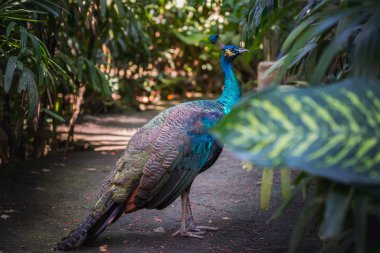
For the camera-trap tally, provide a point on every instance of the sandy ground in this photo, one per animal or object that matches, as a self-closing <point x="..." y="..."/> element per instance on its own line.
<point x="42" y="200"/>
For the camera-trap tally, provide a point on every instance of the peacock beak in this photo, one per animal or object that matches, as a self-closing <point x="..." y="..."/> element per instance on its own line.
<point x="242" y="50"/>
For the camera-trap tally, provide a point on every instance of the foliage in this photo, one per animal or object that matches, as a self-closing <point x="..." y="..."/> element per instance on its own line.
<point x="58" y="55"/>
<point x="345" y="35"/>
<point x="269" y="22"/>
<point x="329" y="132"/>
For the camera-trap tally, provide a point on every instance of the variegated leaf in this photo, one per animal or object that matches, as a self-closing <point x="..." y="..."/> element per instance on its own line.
<point x="331" y="131"/>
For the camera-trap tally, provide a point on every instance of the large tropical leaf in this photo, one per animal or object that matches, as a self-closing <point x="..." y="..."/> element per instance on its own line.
<point x="331" y="131"/>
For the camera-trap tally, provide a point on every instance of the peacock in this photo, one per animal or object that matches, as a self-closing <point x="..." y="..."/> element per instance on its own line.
<point x="161" y="161"/>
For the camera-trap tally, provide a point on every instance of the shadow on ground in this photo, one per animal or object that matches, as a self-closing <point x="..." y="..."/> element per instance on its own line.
<point x="42" y="200"/>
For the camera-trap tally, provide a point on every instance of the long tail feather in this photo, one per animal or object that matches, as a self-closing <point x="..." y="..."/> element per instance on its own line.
<point x="91" y="228"/>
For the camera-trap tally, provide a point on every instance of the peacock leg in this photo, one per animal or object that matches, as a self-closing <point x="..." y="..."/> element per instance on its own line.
<point x="190" y="219"/>
<point x="188" y="229"/>
<point x="184" y="229"/>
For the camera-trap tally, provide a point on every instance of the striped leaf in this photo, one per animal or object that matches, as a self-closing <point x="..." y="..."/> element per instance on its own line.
<point x="331" y="131"/>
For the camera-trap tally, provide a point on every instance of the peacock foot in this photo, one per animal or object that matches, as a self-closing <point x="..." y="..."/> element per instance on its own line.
<point x="194" y="231"/>
<point x="189" y="233"/>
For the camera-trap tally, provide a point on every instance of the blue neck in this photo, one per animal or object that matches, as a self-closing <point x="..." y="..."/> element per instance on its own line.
<point x="232" y="91"/>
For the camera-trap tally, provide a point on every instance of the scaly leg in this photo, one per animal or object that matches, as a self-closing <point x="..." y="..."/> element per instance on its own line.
<point x="188" y="229"/>
<point x="190" y="222"/>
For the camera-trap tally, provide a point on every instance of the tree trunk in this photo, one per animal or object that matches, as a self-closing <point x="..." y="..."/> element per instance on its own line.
<point x="74" y="116"/>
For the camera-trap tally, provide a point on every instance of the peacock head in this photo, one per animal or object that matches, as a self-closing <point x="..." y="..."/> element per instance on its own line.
<point x="229" y="52"/>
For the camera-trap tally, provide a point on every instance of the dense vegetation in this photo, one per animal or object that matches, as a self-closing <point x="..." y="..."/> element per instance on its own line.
<point x="62" y="58"/>
<point x="329" y="128"/>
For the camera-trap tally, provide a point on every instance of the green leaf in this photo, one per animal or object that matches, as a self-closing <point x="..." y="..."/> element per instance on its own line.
<point x="104" y="83"/>
<point x="317" y="28"/>
<point x="9" y="72"/>
<point x="366" y="49"/>
<point x="67" y="60"/>
<point x="266" y="188"/>
<point x="41" y="73"/>
<point x="334" y="47"/>
<point x="80" y="4"/>
<point x="23" y="37"/>
<point x="297" y="32"/>
<point x="28" y="78"/>
<point x="50" y="7"/>
<point x="192" y="39"/>
<point x="37" y="47"/>
<point x="24" y="80"/>
<point x="54" y="115"/>
<point x="120" y="8"/>
<point x="307" y="213"/>
<point x="330" y="131"/>
<point x="337" y="203"/>
<point x="80" y="66"/>
<point x="103" y="8"/>
<point x="311" y="31"/>
<point x="93" y="76"/>
<point x="10" y="28"/>
<point x="301" y="182"/>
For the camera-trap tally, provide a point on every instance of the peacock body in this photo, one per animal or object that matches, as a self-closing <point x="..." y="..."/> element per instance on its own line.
<point x="161" y="161"/>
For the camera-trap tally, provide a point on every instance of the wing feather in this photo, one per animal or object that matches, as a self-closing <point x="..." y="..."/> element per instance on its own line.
<point x="183" y="147"/>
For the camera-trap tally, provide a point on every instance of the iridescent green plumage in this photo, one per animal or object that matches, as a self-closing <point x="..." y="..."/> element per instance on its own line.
<point x="161" y="160"/>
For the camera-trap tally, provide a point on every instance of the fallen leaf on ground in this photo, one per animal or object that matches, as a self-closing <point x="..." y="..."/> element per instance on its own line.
<point x="91" y="169"/>
<point x="159" y="230"/>
<point x="5" y="216"/>
<point x="10" y="211"/>
<point x="225" y="218"/>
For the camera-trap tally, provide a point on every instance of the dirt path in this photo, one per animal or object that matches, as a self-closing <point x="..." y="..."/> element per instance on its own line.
<point x="42" y="200"/>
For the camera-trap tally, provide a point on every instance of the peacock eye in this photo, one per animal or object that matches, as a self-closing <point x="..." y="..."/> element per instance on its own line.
<point x="229" y="52"/>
